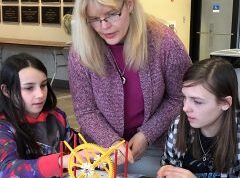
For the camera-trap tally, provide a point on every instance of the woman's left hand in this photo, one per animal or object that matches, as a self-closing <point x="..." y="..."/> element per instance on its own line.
<point x="169" y="171"/>
<point x="138" y="144"/>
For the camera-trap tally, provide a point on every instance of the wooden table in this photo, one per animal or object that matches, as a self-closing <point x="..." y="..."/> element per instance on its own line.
<point x="54" y="46"/>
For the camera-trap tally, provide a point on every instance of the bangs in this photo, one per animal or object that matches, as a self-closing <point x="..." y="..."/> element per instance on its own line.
<point x="111" y="3"/>
<point x="205" y="84"/>
<point x="191" y="83"/>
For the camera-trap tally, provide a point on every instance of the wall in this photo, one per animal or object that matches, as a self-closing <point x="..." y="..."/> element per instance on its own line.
<point x="38" y="30"/>
<point x="172" y="11"/>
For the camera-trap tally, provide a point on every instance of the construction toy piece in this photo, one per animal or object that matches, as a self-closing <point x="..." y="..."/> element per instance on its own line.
<point x="95" y="156"/>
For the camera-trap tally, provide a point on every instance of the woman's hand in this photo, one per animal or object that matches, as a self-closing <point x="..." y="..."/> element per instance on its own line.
<point x="122" y="152"/>
<point x="169" y="171"/>
<point x="138" y="144"/>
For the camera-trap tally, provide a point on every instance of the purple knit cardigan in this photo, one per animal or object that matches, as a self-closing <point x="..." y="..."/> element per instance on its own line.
<point x="98" y="101"/>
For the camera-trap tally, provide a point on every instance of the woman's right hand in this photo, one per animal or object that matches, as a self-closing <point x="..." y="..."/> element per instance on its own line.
<point x="122" y="152"/>
<point x="169" y="171"/>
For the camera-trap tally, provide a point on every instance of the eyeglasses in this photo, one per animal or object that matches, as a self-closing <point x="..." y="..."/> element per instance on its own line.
<point x="111" y="18"/>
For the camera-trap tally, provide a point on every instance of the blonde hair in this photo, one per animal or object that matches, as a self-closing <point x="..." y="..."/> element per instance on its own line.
<point x="90" y="46"/>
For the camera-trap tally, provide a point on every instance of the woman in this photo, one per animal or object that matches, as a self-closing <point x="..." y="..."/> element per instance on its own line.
<point x="125" y="72"/>
<point x="204" y="140"/>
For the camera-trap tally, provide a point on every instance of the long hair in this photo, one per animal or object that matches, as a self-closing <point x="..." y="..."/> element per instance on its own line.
<point x="12" y="106"/>
<point x="90" y="47"/>
<point x="218" y="77"/>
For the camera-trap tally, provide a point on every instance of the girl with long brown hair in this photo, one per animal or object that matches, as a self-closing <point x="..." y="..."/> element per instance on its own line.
<point x="204" y="140"/>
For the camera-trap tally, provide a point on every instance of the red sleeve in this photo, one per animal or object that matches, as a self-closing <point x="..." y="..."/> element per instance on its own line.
<point x="49" y="165"/>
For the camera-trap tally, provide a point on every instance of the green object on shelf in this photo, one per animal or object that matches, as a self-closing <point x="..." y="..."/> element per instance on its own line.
<point x="67" y="23"/>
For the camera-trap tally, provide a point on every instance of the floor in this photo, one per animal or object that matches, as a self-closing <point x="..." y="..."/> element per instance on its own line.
<point x="64" y="100"/>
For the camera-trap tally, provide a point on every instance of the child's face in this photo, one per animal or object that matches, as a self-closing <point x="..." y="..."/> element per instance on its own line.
<point x="33" y="90"/>
<point x="202" y="109"/>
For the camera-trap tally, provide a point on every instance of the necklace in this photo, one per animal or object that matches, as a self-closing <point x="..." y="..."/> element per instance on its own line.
<point x="204" y="157"/>
<point x="121" y="73"/>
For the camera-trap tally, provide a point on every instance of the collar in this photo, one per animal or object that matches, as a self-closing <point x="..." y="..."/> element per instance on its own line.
<point x="41" y="118"/>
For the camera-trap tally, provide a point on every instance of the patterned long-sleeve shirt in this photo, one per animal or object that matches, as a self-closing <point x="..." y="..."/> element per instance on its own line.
<point x="173" y="157"/>
<point x="49" y="129"/>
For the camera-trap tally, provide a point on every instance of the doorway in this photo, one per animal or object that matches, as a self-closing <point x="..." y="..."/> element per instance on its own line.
<point x="214" y="26"/>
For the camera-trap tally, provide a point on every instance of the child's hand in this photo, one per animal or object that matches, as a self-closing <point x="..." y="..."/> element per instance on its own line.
<point x="82" y="155"/>
<point x="169" y="171"/>
<point x="64" y="161"/>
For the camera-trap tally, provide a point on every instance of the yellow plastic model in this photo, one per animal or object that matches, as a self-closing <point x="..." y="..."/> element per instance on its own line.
<point x="87" y="166"/>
